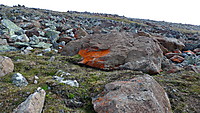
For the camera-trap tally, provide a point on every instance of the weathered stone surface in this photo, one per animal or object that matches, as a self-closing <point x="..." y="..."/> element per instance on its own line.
<point x="42" y="45"/>
<point x="3" y="42"/>
<point x="141" y="94"/>
<point x="118" y="50"/>
<point x="52" y="34"/>
<point x="174" y="43"/>
<point x="19" y="80"/>
<point x="6" y="65"/>
<point x="13" y="28"/>
<point x="79" y="33"/>
<point x="33" y="104"/>
<point x="5" y="48"/>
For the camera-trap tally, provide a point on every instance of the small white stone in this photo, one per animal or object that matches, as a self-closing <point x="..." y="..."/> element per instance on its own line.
<point x="35" y="82"/>
<point x="47" y="50"/>
<point x="20" y="77"/>
<point x="40" y="54"/>
<point x="36" y="77"/>
<point x="29" y="48"/>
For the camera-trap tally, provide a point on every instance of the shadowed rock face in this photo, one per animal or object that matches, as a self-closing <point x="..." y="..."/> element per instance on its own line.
<point x="118" y="50"/>
<point x="139" y="95"/>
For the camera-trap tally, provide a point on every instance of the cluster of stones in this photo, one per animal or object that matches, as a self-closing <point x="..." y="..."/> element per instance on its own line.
<point x="103" y="43"/>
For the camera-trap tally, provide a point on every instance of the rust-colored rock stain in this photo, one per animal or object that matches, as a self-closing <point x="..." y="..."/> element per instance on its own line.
<point x="91" y="58"/>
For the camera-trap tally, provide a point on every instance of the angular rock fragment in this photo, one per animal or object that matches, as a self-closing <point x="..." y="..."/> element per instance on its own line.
<point x="177" y="59"/>
<point x="13" y="28"/>
<point x="141" y="94"/>
<point x="171" y="44"/>
<point x="6" y="48"/>
<point x="19" y="80"/>
<point x="59" y="76"/>
<point x="3" y="42"/>
<point x="6" y="66"/>
<point x="33" y="104"/>
<point x="42" y="45"/>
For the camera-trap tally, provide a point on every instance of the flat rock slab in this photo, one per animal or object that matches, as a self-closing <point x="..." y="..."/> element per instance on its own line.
<point x="118" y="50"/>
<point x="141" y="94"/>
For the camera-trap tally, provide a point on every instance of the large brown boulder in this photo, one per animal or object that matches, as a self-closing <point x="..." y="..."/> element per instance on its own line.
<point x="141" y="94"/>
<point x="6" y="65"/>
<point x="118" y="50"/>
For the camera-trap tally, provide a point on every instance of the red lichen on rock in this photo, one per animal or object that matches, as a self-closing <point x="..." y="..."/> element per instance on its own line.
<point x="177" y="59"/>
<point x="99" y="100"/>
<point x="177" y="51"/>
<point x="91" y="58"/>
<point x="189" y="52"/>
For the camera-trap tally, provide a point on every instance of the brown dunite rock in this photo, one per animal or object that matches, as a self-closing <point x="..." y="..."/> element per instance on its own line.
<point x="171" y="44"/>
<point x="141" y="94"/>
<point x="80" y="33"/>
<point x="6" y="65"/>
<point x="118" y="50"/>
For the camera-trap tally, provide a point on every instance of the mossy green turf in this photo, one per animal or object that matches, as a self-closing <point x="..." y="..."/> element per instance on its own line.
<point x="91" y="81"/>
<point x="183" y="88"/>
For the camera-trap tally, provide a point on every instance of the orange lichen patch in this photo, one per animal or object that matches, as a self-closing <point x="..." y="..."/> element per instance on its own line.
<point x="177" y="59"/>
<point x="177" y="51"/>
<point x="189" y="52"/>
<point x="91" y="58"/>
<point x="104" y="103"/>
<point x="99" y="100"/>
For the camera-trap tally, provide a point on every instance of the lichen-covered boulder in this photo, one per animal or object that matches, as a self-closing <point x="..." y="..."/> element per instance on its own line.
<point x="6" y="65"/>
<point x="118" y="50"/>
<point x="141" y="94"/>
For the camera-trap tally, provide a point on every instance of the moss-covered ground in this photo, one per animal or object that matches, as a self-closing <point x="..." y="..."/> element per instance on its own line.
<point x="183" y="88"/>
<point x="60" y="98"/>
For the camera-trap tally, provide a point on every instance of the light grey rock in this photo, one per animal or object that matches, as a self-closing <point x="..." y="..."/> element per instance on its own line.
<point x="52" y="59"/>
<point x="42" y="45"/>
<point x="21" y="44"/>
<point x="141" y="94"/>
<point x="52" y="34"/>
<point x="34" y="40"/>
<point x="5" y="48"/>
<point x="6" y="66"/>
<point x="23" y="38"/>
<point x="72" y="83"/>
<point x="62" y="73"/>
<point x="13" y="28"/>
<point x="3" y="42"/>
<point x="59" y="76"/>
<point x="19" y="80"/>
<point x="33" y="104"/>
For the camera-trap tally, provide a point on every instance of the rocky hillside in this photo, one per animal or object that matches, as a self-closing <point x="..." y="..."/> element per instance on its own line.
<point x="58" y="62"/>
